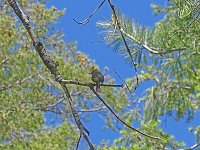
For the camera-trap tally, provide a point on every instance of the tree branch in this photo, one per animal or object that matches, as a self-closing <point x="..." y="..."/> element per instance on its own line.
<point x="124" y="40"/>
<point x="77" y="144"/>
<point x="51" y="65"/>
<point x="132" y="128"/>
<point x="131" y="92"/>
<point x="91" y="15"/>
<point x="75" y="115"/>
<point x="88" y="84"/>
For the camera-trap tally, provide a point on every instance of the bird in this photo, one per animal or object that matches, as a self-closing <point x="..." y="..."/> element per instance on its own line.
<point x="98" y="78"/>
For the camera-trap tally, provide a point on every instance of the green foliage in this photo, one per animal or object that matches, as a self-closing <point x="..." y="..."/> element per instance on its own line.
<point x="23" y="81"/>
<point x="56" y="138"/>
<point x="168" y="56"/>
<point x="28" y="90"/>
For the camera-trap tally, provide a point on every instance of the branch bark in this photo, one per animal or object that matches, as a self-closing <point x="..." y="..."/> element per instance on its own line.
<point x="88" y="84"/>
<point x="110" y="109"/>
<point x="51" y="65"/>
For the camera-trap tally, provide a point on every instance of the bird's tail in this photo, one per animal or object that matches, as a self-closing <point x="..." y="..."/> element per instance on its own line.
<point x="98" y="87"/>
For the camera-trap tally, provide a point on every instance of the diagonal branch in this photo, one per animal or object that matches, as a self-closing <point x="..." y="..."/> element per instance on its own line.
<point x="131" y="92"/>
<point x="132" y="128"/>
<point x="123" y="38"/>
<point x="75" y="115"/>
<point x="50" y="64"/>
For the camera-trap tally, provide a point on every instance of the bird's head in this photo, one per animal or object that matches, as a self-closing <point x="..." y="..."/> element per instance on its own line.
<point x="94" y="71"/>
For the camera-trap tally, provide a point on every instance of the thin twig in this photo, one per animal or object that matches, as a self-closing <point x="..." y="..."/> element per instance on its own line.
<point x="92" y="109"/>
<point x="132" y="128"/>
<point x="84" y="22"/>
<point x="77" y="143"/>
<point x="124" y="82"/>
<point x="124" y="40"/>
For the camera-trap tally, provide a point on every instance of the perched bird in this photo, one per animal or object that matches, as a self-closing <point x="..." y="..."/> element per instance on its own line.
<point x="98" y="78"/>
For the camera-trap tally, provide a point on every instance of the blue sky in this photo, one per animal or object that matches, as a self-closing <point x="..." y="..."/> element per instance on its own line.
<point x="89" y="41"/>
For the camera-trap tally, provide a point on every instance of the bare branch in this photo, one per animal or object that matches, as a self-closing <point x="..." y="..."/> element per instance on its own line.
<point x="132" y="128"/>
<point x="84" y="22"/>
<point x="123" y="38"/>
<point x="75" y="115"/>
<point x="77" y="143"/>
<point x="88" y="84"/>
